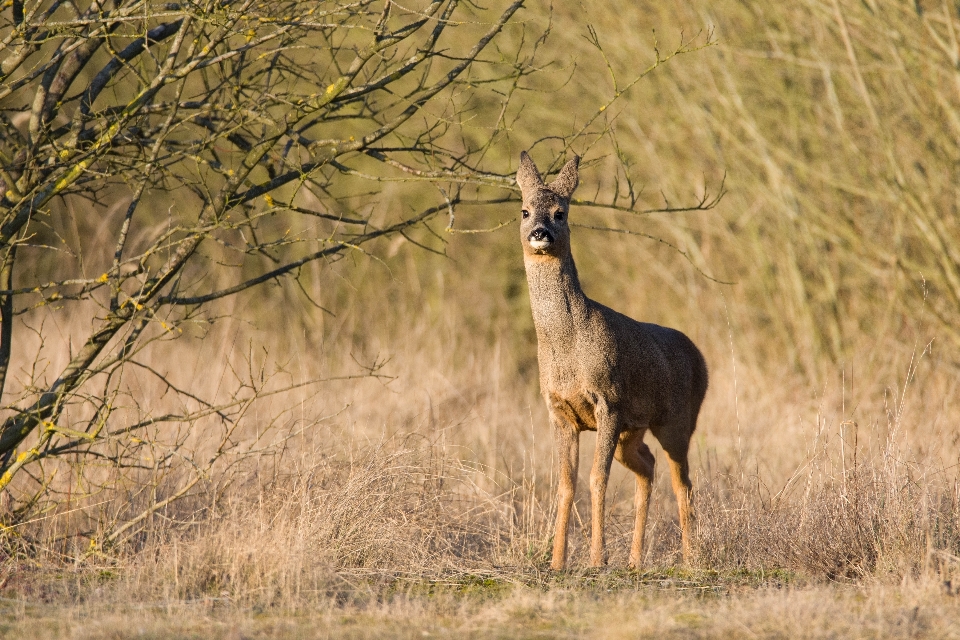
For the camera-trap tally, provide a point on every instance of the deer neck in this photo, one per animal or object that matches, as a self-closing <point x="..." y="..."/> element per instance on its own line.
<point x="556" y="298"/>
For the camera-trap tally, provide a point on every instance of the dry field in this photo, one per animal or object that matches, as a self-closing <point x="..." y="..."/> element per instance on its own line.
<point x="410" y="492"/>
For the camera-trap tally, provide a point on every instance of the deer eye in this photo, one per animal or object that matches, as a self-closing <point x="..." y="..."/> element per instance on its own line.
<point x="525" y="213"/>
<point x="558" y="215"/>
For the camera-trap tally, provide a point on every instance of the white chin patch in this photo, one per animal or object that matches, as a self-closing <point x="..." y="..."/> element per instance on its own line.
<point x="540" y="245"/>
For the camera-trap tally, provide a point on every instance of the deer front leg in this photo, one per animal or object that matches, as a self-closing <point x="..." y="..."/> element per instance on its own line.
<point x="568" y="449"/>
<point x="608" y="434"/>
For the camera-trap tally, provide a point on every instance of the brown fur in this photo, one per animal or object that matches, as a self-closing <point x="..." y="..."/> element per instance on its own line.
<point x="603" y="371"/>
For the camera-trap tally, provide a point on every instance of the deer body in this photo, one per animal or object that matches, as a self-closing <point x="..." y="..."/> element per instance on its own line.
<point x="602" y="371"/>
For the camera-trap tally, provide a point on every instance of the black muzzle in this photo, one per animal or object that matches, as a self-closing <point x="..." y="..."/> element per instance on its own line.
<point x="540" y="234"/>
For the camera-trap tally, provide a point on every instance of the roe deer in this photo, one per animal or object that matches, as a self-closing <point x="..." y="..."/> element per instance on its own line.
<point x="603" y="371"/>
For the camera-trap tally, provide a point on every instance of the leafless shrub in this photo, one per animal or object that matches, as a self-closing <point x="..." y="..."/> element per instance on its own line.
<point x="158" y="159"/>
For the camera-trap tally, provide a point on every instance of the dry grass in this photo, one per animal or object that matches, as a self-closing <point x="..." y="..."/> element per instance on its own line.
<point x="426" y="505"/>
<point x="826" y="460"/>
<point x="915" y="610"/>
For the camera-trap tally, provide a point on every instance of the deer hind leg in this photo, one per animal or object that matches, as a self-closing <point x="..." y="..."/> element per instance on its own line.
<point x="636" y="456"/>
<point x="683" y="488"/>
<point x="568" y="450"/>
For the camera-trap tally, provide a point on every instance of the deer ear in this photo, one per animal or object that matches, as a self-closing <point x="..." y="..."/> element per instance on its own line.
<point x="568" y="179"/>
<point x="527" y="175"/>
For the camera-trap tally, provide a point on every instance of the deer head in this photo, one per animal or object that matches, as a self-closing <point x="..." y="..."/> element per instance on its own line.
<point x="544" y="230"/>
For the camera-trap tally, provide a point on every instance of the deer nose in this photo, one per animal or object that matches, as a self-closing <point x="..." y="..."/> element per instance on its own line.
<point x="540" y="234"/>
